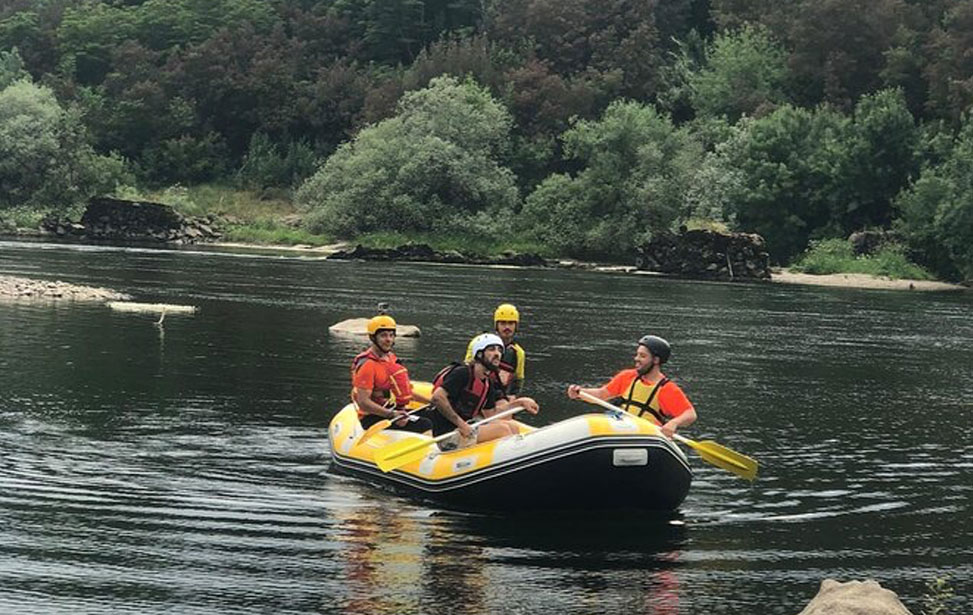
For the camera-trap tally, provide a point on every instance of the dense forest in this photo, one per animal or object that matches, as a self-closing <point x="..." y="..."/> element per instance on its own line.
<point x="584" y="126"/>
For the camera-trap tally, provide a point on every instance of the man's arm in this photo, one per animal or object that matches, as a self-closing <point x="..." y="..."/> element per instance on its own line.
<point x="688" y="417"/>
<point x="366" y="403"/>
<point x="574" y="391"/>
<point x="441" y="401"/>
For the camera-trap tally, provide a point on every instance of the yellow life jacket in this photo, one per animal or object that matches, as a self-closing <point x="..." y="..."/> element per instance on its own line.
<point x="642" y="401"/>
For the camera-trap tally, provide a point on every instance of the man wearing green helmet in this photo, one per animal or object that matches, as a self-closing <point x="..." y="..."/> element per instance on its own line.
<point x="645" y="391"/>
<point x="506" y="322"/>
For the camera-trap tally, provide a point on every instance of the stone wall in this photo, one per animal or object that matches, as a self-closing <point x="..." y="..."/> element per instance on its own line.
<point x="707" y="254"/>
<point x="121" y="220"/>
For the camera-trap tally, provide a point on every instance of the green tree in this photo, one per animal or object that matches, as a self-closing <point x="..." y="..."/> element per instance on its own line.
<point x="635" y="173"/>
<point x="936" y="212"/>
<point x="745" y="72"/>
<point x="790" y="166"/>
<point x="432" y="166"/>
<point x="45" y="159"/>
<point x="881" y="147"/>
<point x="11" y="68"/>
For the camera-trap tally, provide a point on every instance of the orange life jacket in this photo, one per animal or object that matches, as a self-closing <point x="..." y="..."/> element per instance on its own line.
<point x="399" y="387"/>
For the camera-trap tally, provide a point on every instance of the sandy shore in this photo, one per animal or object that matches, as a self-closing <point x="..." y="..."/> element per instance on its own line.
<point x="860" y="280"/>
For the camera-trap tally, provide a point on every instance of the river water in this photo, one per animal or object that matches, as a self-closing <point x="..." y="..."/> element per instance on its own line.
<point x="183" y="469"/>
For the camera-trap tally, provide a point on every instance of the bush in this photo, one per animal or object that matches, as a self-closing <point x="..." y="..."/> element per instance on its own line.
<point x="438" y="160"/>
<point x="838" y="256"/>
<point x="46" y="160"/>
<point x="637" y="169"/>
<point x="266" y="166"/>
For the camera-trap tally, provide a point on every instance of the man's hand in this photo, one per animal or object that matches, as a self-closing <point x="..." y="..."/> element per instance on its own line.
<point x="529" y="404"/>
<point x="573" y="390"/>
<point x="464" y="429"/>
<point x="668" y="429"/>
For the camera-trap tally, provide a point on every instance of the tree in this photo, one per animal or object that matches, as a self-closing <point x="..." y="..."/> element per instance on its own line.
<point x="936" y="212"/>
<point x="634" y="177"/>
<point x="434" y="165"/>
<point x="45" y="159"/>
<point x="881" y="160"/>
<point x="745" y="72"/>
<point x="11" y="68"/>
<point x="790" y="166"/>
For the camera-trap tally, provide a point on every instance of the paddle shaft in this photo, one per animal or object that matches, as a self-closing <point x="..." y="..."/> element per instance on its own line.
<point x="400" y="453"/>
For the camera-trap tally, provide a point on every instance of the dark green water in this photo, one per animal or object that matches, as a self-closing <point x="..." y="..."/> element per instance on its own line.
<point x="184" y="470"/>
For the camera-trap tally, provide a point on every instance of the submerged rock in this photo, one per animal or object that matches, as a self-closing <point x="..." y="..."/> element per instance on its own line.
<point x="854" y="598"/>
<point x="359" y="326"/>
<point x="423" y="253"/>
<point x="12" y="287"/>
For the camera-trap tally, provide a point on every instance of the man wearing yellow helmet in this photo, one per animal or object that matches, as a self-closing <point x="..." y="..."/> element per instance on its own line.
<point x="506" y="322"/>
<point x="380" y="383"/>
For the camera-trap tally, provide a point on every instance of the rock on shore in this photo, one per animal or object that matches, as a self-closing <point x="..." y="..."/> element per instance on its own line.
<point x="117" y="219"/>
<point x="707" y="254"/>
<point x="12" y="287"/>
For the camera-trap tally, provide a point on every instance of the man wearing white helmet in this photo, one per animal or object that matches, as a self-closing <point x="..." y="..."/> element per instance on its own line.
<point x="464" y="392"/>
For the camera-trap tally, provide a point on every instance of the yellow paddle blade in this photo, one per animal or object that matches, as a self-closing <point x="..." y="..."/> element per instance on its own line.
<point x="723" y="457"/>
<point x="374" y="429"/>
<point x="399" y="453"/>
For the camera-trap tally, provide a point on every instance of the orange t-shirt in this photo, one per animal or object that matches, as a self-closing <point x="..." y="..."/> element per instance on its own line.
<point x="374" y="376"/>
<point x="672" y="401"/>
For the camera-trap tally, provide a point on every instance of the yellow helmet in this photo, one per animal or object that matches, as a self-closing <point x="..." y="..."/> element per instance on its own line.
<point x="506" y="311"/>
<point x="380" y="323"/>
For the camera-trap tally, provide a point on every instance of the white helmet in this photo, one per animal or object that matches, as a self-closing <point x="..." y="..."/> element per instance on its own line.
<point x="484" y="341"/>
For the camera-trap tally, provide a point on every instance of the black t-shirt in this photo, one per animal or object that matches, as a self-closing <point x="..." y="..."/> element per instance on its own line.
<point x="465" y="392"/>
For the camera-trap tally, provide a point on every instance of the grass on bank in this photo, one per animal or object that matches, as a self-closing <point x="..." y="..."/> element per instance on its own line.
<point x="268" y="219"/>
<point x="838" y="256"/>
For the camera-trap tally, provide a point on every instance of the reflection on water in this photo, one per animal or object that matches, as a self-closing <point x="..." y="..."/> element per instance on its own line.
<point x="182" y="469"/>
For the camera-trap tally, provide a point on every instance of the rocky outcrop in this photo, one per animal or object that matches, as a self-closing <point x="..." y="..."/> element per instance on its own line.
<point x="420" y="252"/>
<point x="854" y="598"/>
<point x="707" y="254"/>
<point x="108" y="219"/>
<point x="28" y="289"/>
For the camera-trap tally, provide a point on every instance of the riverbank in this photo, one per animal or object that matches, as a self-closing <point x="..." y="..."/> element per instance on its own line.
<point x="860" y="280"/>
<point x="19" y="288"/>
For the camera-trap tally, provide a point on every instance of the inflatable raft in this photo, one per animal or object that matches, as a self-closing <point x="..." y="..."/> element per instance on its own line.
<point x="589" y="462"/>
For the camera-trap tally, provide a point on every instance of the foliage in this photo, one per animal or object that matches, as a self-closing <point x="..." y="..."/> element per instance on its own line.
<point x="936" y="212"/>
<point x="439" y="158"/>
<point x="45" y="159"/>
<point x="837" y="256"/>
<point x="636" y="167"/>
<point x="788" y="166"/>
<point x="11" y="68"/>
<point x="939" y="592"/>
<point x="745" y="73"/>
<point x="267" y="165"/>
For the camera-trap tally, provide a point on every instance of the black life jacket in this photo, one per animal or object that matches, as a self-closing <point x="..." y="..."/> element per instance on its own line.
<point x="472" y="401"/>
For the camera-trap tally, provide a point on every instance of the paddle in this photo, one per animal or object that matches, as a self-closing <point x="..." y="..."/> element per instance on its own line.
<point x="711" y="452"/>
<point x="385" y="423"/>
<point x="399" y="453"/>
